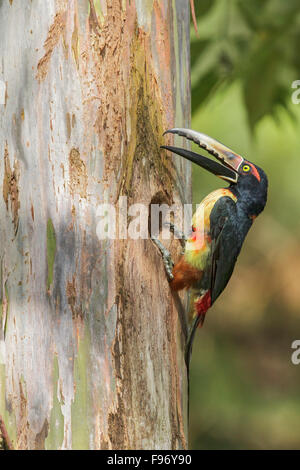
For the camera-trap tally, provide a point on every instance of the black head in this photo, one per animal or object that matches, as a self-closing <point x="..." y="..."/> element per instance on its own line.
<point x="251" y="188"/>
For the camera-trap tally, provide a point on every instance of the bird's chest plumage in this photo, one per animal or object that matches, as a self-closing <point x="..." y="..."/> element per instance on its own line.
<point x="198" y="246"/>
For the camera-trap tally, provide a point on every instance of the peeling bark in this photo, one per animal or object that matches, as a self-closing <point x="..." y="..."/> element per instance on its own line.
<point x="10" y="187"/>
<point x="91" y="338"/>
<point x="56" y="30"/>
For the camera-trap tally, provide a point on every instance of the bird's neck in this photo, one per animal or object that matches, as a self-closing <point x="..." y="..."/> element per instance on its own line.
<point x="245" y="218"/>
<point x="244" y="202"/>
<point x="243" y="206"/>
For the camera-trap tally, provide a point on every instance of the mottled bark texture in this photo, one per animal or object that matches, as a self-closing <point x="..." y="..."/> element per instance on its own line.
<point x="91" y="345"/>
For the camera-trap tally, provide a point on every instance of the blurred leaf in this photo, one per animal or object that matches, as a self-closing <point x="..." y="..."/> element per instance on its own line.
<point x="254" y="42"/>
<point x="202" y="7"/>
<point x="209" y="82"/>
<point x="197" y="49"/>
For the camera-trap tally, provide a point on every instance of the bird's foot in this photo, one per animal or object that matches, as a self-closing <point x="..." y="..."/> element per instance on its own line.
<point x="166" y="256"/>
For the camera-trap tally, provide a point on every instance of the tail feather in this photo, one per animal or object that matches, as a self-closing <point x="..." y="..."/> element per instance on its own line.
<point x="202" y="304"/>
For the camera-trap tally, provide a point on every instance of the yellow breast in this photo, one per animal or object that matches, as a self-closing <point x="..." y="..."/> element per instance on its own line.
<point x="197" y="248"/>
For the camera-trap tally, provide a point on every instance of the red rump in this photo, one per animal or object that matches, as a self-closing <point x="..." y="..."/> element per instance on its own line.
<point x="203" y="304"/>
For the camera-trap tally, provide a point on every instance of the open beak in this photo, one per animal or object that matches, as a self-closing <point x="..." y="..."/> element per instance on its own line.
<point x="231" y="162"/>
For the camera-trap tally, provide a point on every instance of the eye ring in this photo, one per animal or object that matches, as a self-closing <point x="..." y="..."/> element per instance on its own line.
<point x="246" y="168"/>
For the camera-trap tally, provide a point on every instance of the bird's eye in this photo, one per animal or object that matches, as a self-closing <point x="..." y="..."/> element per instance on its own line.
<point x="246" y="168"/>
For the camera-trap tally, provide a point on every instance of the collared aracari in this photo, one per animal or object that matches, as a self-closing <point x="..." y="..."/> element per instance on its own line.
<point x="219" y="225"/>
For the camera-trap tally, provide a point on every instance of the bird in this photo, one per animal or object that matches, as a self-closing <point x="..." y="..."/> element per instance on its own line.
<point x="219" y="225"/>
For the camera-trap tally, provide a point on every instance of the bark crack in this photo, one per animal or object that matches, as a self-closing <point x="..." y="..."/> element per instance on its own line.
<point x="11" y="188"/>
<point x="56" y="30"/>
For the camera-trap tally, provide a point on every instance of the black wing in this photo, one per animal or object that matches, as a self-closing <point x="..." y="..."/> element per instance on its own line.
<point x="225" y="245"/>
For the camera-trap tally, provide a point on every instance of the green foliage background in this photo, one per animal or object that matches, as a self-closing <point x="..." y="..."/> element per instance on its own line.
<point x="244" y="387"/>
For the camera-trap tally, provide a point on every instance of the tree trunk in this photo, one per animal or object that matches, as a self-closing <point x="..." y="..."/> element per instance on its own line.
<point x="92" y="341"/>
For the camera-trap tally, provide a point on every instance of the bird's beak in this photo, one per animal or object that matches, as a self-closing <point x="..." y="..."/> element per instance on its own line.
<point x="231" y="161"/>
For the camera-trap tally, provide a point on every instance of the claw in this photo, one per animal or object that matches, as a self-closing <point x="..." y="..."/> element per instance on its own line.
<point x="166" y="256"/>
